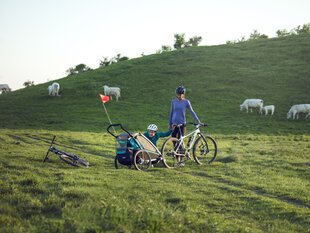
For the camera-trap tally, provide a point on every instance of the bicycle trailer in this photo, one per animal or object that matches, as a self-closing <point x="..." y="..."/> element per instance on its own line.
<point x="133" y="149"/>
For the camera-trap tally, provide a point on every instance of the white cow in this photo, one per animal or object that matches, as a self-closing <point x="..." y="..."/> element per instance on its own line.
<point x="4" y="88"/>
<point x="110" y="91"/>
<point x="252" y="103"/>
<point x="268" y="108"/>
<point x="298" y="108"/>
<point x="54" y="89"/>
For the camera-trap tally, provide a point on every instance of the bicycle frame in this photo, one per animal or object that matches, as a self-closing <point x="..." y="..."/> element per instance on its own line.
<point x="57" y="152"/>
<point x="193" y="136"/>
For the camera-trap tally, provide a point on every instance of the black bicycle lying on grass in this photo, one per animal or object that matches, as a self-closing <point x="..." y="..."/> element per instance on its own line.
<point x="68" y="158"/>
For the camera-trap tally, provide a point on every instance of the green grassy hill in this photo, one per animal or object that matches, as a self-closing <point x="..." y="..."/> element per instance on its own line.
<point x="218" y="79"/>
<point x="259" y="181"/>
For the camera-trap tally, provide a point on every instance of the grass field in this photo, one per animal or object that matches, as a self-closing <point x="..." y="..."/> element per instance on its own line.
<point x="259" y="181"/>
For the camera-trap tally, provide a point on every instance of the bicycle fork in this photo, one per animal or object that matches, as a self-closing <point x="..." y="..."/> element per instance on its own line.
<point x="48" y="150"/>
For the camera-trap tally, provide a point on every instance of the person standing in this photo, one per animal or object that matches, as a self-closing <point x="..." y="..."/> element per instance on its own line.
<point x="178" y="112"/>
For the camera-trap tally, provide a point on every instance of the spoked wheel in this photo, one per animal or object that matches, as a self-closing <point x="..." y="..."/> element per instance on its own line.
<point x="74" y="160"/>
<point x="169" y="153"/>
<point x="205" y="149"/>
<point x="142" y="160"/>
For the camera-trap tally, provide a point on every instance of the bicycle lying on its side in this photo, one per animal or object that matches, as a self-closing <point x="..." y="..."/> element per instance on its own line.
<point x="68" y="158"/>
<point x="174" y="151"/>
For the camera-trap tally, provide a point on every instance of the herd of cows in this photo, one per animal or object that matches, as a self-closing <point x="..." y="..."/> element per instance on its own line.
<point x="248" y="104"/>
<point x="293" y="113"/>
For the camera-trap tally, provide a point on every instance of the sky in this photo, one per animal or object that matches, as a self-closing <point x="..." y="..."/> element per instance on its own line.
<point x="41" y="39"/>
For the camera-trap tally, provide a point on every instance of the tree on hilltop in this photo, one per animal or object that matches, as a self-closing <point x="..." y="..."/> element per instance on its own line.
<point x="80" y="68"/>
<point x="28" y="83"/>
<point x="179" y="40"/>
<point x="256" y="35"/>
<point x="118" y="58"/>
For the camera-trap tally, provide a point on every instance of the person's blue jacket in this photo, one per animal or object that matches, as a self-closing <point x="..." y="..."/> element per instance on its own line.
<point x="178" y="110"/>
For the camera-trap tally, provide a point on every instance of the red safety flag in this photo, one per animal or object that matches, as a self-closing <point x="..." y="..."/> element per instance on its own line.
<point x="104" y="98"/>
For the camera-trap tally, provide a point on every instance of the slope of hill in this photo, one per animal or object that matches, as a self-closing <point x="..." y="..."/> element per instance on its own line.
<point x="217" y="78"/>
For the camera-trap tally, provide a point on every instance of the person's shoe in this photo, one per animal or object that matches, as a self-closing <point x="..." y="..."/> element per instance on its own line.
<point x="181" y="164"/>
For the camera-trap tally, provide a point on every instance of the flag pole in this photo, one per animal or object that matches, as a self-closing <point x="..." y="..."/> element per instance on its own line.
<point x="108" y="117"/>
<point x="105" y="99"/>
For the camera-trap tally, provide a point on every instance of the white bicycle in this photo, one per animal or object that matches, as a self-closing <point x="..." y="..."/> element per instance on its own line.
<point x="174" y="151"/>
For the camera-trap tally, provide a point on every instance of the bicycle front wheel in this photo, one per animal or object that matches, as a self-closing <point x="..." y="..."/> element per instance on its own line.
<point x="205" y="149"/>
<point x="168" y="153"/>
<point x="142" y="160"/>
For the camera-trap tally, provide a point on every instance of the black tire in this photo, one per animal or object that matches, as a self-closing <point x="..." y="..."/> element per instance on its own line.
<point x="118" y="165"/>
<point x="73" y="160"/>
<point x="142" y="160"/>
<point x="168" y="153"/>
<point x="204" y="149"/>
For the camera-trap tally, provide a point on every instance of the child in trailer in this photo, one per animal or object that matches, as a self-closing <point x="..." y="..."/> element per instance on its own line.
<point x="153" y="135"/>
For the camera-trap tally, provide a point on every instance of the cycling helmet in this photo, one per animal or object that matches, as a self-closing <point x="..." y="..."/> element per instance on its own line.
<point x="180" y="90"/>
<point x="152" y="127"/>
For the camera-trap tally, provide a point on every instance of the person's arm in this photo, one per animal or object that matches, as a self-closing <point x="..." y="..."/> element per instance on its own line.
<point x="164" y="134"/>
<point x="191" y="110"/>
<point x="170" y="115"/>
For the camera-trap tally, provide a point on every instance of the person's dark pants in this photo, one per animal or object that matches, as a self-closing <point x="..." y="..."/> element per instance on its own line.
<point x="176" y="134"/>
<point x="176" y="131"/>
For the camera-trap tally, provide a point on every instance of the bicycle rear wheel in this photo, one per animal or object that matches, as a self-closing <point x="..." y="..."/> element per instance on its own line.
<point x="73" y="160"/>
<point x="142" y="160"/>
<point x="168" y="153"/>
<point x="205" y="149"/>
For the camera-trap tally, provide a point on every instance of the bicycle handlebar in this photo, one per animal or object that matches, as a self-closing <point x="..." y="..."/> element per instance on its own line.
<point x="201" y="124"/>
<point x="195" y="124"/>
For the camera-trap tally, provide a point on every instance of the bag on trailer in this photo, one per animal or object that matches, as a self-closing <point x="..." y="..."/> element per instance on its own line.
<point x="124" y="149"/>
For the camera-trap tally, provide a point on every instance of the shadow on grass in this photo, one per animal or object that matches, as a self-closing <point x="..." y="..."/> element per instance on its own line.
<point x="228" y="159"/>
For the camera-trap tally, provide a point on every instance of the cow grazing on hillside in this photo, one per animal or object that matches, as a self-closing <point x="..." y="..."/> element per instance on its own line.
<point x="268" y="108"/>
<point x="296" y="109"/>
<point x="110" y="91"/>
<point x="53" y="89"/>
<point x="4" y="88"/>
<point x="252" y="103"/>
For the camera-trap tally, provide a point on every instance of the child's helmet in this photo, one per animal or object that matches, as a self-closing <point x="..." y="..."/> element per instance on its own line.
<point x="152" y="127"/>
<point x="180" y="90"/>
